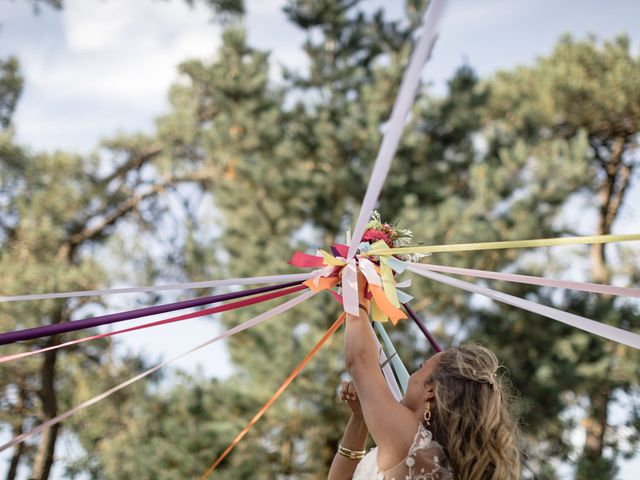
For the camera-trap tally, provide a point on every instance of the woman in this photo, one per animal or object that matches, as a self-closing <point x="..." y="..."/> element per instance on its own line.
<point x="453" y="423"/>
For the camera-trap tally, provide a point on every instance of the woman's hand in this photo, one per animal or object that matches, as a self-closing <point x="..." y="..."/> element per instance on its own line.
<point x="347" y="393"/>
<point x="362" y="289"/>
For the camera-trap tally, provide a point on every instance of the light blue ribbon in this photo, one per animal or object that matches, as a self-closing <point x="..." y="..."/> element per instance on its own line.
<point x="398" y="367"/>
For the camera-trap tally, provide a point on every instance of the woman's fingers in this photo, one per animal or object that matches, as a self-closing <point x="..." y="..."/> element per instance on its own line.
<point x="347" y="391"/>
<point x="344" y="388"/>
<point x="351" y="390"/>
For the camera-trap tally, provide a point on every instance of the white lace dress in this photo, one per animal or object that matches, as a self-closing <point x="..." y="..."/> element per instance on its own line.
<point x="425" y="461"/>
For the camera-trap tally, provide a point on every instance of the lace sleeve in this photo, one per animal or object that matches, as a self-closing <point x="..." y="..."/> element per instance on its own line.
<point x="426" y="461"/>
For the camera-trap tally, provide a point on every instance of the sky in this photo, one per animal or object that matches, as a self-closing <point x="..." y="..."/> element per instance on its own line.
<point x="99" y="67"/>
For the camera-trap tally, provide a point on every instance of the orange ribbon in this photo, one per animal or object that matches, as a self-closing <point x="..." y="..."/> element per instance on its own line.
<point x="324" y="283"/>
<point x="385" y="306"/>
<point x="275" y="396"/>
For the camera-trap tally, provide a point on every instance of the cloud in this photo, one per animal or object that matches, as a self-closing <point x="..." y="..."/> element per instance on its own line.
<point x="110" y="62"/>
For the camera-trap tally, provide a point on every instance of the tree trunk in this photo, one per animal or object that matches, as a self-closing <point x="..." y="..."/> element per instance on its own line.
<point x="610" y="195"/>
<point x="44" y="457"/>
<point x="15" y="458"/>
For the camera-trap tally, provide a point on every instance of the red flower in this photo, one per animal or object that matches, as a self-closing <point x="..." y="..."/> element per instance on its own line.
<point x="372" y="235"/>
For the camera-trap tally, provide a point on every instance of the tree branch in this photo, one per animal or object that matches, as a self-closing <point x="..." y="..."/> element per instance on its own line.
<point x="124" y="208"/>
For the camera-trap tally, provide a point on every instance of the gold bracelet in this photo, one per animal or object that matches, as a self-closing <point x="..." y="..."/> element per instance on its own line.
<point x="351" y="454"/>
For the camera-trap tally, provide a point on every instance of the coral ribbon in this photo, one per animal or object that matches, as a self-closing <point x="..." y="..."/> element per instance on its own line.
<point x="296" y="371"/>
<point x="304" y="260"/>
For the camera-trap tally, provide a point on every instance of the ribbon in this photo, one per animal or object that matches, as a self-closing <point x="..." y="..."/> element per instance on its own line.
<point x="238" y="328"/>
<point x="329" y="259"/>
<point x="388" y="283"/>
<point x="297" y="277"/>
<point x="199" y="313"/>
<point x="394" y="358"/>
<point x="382" y="359"/>
<point x="350" y="288"/>
<point x="48" y="330"/>
<point x="403" y="297"/>
<point x="368" y="269"/>
<point x="401" y="107"/>
<point x="398" y="265"/>
<point x="385" y="306"/>
<point x="544" y="242"/>
<point x="340" y="250"/>
<point x="304" y="260"/>
<point x="321" y="283"/>
<point x="531" y="280"/>
<point x="387" y="371"/>
<point x="296" y="371"/>
<point x="423" y="328"/>
<point x="602" y="329"/>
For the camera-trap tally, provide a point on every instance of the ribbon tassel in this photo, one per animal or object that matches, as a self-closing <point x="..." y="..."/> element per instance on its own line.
<point x="350" y="288"/>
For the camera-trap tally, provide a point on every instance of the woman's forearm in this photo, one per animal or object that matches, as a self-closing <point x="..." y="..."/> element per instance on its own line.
<point x="354" y="438"/>
<point x="360" y="349"/>
<point x="355" y="434"/>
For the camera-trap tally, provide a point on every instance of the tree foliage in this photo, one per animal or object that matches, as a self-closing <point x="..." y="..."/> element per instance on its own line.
<point x="284" y="167"/>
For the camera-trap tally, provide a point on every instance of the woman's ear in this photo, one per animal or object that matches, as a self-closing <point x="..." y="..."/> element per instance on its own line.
<point x="429" y="392"/>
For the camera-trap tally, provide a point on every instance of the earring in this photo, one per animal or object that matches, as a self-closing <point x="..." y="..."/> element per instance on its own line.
<point x="427" y="413"/>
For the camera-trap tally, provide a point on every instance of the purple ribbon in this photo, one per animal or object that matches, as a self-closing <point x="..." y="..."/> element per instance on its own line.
<point x="434" y="343"/>
<point x="48" y="330"/>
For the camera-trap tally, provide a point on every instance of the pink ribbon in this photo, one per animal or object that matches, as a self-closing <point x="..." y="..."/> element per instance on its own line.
<point x="531" y="280"/>
<point x="156" y="288"/>
<point x="238" y="328"/>
<point x="199" y="313"/>
<point x="607" y="331"/>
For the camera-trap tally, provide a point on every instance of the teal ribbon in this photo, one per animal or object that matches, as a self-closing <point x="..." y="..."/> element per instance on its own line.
<point x="396" y="363"/>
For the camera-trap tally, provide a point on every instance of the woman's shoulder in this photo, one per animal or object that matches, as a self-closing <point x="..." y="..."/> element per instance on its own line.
<point x="426" y="459"/>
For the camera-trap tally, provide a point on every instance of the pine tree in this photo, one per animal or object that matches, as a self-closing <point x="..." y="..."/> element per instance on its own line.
<point x="285" y="167"/>
<point x="587" y="90"/>
<point x="57" y="211"/>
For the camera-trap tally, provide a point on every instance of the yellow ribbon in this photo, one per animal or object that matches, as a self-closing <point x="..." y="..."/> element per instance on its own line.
<point x="543" y="242"/>
<point x="331" y="260"/>
<point x="389" y="283"/>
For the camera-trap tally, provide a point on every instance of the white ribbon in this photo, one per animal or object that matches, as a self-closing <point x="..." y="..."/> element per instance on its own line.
<point x="238" y="328"/>
<point x="155" y="288"/>
<point x="591" y="326"/>
<point x="349" y="276"/>
<point x="387" y="372"/>
<point x="321" y="272"/>
<point x="531" y="280"/>
<point x="369" y="271"/>
<point x="401" y="107"/>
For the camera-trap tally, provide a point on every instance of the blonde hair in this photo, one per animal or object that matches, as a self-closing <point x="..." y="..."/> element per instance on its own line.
<point x="473" y="418"/>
